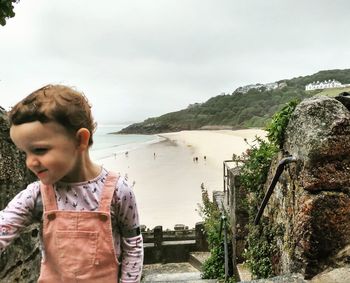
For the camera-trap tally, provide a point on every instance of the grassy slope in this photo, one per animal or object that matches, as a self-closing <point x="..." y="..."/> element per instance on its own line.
<point x="241" y="110"/>
<point x="332" y="92"/>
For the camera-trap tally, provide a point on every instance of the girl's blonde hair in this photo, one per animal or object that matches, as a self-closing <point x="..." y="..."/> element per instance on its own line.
<point x="55" y="103"/>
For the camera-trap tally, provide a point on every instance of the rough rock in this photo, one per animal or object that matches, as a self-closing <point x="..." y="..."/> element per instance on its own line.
<point x="337" y="275"/>
<point x="307" y="218"/>
<point x="344" y="98"/>
<point x="318" y="134"/>
<point x="311" y="201"/>
<point x="20" y="262"/>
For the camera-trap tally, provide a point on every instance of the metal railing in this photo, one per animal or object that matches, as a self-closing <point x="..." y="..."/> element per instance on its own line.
<point x="268" y="194"/>
<point x="223" y="225"/>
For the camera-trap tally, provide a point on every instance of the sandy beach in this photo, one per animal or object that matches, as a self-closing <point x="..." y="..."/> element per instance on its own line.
<point x="167" y="179"/>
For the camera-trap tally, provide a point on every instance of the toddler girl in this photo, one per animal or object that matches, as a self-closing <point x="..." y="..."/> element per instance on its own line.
<point x="89" y="219"/>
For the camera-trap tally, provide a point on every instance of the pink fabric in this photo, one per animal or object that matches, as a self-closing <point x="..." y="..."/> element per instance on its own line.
<point x="78" y="244"/>
<point x="84" y="196"/>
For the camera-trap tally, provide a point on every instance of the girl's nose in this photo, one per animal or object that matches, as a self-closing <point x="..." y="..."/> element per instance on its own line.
<point x="32" y="161"/>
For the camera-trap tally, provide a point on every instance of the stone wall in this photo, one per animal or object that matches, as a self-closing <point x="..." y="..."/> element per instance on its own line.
<point x="312" y="198"/>
<point x="20" y="262"/>
<point x="310" y="205"/>
<point x="239" y="216"/>
<point x="173" y="245"/>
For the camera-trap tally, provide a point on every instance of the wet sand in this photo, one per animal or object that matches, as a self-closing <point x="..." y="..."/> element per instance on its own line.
<point x="168" y="181"/>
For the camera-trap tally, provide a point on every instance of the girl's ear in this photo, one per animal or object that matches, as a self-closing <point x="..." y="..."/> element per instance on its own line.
<point x="83" y="136"/>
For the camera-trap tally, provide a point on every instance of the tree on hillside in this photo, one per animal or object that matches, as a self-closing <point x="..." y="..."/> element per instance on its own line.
<point x="6" y="10"/>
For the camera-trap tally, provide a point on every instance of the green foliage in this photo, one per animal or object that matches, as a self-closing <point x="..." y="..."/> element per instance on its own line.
<point x="254" y="171"/>
<point x="256" y="165"/>
<point x="213" y="267"/>
<point x="262" y="249"/>
<point x="342" y="76"/>
<point x="258" y="253"/>
<point x="211" y="216"/>
<point x="279" y="122"/>
<point x="331" y="92"/>
<point x="6" y="10"/>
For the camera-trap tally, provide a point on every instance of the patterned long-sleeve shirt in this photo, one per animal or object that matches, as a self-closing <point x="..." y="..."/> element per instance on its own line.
<point x="26" y="208"/>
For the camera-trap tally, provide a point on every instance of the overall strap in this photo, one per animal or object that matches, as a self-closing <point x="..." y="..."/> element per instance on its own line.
<point x="48" y="197"/>
<point x="107" y="192"/>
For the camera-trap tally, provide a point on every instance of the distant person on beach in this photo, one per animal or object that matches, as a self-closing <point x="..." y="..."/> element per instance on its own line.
<point x="54" y="127"/>
<point x="126" y="153"/>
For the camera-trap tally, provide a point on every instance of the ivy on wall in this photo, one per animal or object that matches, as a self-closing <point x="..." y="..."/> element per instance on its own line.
<point x="261" y="252"/>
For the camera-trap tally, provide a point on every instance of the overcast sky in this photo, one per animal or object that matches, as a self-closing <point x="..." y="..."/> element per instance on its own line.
<point x="140" y="59"/>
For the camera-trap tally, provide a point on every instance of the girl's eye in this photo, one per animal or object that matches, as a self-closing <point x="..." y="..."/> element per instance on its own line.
<point x="40" y="150"/>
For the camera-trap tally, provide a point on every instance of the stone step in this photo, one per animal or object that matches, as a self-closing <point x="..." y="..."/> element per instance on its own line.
<point x="288" y="278"/>
<point x="172" y="273"/>
<point x="186" y="273"/>
<point x="188" y="277"/>
<point x="243" y="272"/>
<point x="185" y="281"/>
<point x="337" y="275"/>
<point x="197" y="259"/>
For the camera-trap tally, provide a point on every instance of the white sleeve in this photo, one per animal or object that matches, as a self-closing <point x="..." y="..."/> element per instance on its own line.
<point x="132" y="259"/>
<point x="17" y="215"/>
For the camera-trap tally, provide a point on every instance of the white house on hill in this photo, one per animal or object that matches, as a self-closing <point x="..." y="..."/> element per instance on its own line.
<point x="325" y="84"/>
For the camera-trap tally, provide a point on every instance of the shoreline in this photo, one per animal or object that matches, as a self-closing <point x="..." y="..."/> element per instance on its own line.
<point x="168" y="180"/>
<point x="218" y="145"/>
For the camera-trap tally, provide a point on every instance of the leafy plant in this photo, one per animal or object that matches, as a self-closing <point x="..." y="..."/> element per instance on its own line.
<point x="261" y="249"/>
<point x="279" y="123"/>
<point x="6" y="10"/>
<point x="254" y="171"/>
<point x="213" y="267"/>
<point x="256" y="164"/>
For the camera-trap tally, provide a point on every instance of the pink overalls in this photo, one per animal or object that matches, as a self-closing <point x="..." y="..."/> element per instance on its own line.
<point x="78" y="244"/>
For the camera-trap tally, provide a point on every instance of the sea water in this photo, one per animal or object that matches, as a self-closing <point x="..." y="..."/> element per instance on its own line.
<point x="163" y="176"/>
<point x="107" y="143"/>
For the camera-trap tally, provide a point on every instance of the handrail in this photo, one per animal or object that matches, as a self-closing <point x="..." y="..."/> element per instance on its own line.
<point x="223" y="224"/>
<point x="278" y="173"/>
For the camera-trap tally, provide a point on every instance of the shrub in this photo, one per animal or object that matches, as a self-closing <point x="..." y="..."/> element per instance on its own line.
<point x="279" y="123"/>
<point x="213" y="267"/>
<point x="261" y="248"/>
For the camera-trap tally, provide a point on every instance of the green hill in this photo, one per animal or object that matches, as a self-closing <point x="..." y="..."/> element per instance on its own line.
<point x="248" y="106"/>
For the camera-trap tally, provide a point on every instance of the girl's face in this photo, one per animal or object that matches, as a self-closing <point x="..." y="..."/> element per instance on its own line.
<point x="51" y="152"/>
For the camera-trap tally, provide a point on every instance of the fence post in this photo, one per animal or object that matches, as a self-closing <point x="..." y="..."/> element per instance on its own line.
<point x="201" y="241"/>
<point x="158" y="239"/>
